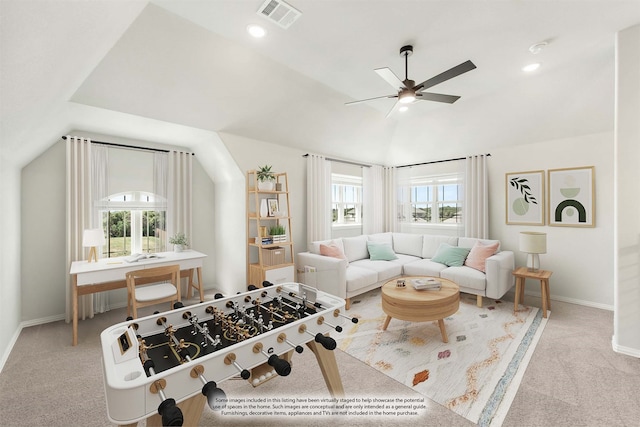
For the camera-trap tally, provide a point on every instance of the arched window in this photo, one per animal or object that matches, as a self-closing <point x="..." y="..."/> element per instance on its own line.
<point x="133" y="222"/>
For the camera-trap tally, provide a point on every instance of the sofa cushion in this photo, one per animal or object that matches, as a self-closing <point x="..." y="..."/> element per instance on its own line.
<point x="407" y="243"/>
<point x="385" y="270"/>
<point x="423" y="267"/>
<point x="358" y="277"/>
<point x="314" y="247"/>
<point x="466" y="277"/>
<point x="403" y="259"/>
<point x="430" y="244"/>
<point x="332" y="250"/>
<point x="355" y="248"/>
<point x="381" y="238"/>
<point x="468" y="242"/>
<point x="478" y="255"/>
<point x="380" y="251"/>
<point x="451" y="256"/>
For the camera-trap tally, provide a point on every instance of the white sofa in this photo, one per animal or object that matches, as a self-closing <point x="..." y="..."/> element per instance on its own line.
<point x="358" y="273"/>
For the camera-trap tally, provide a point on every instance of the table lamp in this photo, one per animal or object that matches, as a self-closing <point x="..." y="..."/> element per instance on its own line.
<point x="91" y="238"/>
<point x="533" y="243"/>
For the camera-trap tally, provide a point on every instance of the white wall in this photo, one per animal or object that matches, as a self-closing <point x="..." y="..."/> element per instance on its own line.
<point x="581" y="258"/>
<point x="250" y="154"/>
<point x="626" y="337"/>
<point x="9" y="254"/>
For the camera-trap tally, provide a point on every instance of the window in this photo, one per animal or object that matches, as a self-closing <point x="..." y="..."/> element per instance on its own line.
<point x="346" y="199"/>
<point x="433" y="200"/>
<point x="133" y="222"/>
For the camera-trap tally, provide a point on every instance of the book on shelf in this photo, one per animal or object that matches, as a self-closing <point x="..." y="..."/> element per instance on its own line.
<point x="138" y="257"/>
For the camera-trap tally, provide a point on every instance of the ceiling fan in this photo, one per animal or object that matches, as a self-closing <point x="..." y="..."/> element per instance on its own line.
<point x="409" y="91"/>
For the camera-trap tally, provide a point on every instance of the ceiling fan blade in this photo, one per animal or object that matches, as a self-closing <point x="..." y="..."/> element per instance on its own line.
<point x="438" y="97"/>
<point x="390" y="78"/>
<point x="370" y="99"/>
<point x="449" y="74"/>
<point x="393" y="110"/>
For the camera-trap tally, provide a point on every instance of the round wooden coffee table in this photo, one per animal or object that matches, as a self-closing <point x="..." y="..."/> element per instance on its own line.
<point x="420" y="306"/>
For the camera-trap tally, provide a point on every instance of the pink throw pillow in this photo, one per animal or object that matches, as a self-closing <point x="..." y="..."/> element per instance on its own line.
<point x="332" y="251"/>
<point x="478" y="255"/>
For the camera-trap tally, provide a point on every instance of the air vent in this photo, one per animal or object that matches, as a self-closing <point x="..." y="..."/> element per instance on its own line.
<point x="279" y="12"/>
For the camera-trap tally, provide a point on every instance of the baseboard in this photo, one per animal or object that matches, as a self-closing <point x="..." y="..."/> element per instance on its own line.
<point x="634" y="352"/>
<point x="571" y="300"/>
<point x="10" y="345"/>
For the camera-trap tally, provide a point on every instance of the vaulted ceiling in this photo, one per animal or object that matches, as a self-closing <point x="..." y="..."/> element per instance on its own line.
<point x="147" y="69"/>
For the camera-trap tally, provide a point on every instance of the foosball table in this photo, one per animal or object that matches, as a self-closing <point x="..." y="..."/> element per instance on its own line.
<point x="165" y="366"/>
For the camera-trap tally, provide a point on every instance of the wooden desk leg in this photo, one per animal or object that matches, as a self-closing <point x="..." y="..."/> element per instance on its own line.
<point x="74" y="293"/>
<point x="543" y="291"/>
<point x="329" y="367"/>
<point x="200" y="287"/>
<point x="443" y="331"/>
<point x="190" y="284"/>
<point x="517" y="298"/>
<point x="191" y="412"/>
<point x="386" y="323"/>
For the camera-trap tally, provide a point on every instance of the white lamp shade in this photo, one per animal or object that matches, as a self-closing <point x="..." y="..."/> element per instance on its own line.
<point x="93" y="237"/>
<point x="532" y="242"/>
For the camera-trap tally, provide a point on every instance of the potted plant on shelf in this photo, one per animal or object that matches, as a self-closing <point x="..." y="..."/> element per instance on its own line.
<point x="266" y="178"/>
<point x="278" y="233"/>
<point x="179" y="241"/>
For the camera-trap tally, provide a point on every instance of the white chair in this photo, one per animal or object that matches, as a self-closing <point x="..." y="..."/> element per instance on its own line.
<point x="151" y="286"/>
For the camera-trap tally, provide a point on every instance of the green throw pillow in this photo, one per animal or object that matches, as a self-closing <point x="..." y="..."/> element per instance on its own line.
<point x="451" y="256"/>
<point x="380" y="252"/>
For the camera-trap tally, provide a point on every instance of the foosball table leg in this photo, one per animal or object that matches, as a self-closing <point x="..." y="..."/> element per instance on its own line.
<point x="329" y="368"/>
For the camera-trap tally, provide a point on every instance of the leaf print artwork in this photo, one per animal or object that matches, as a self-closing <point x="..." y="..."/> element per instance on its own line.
<point x="521" y="204"/>
<point x="525" y="197"/>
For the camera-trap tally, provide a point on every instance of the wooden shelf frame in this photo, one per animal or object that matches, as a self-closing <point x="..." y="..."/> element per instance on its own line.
<point x="256" y="268"/>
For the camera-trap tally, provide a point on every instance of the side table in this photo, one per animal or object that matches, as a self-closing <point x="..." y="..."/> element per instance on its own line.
<point x="523" y="273"/>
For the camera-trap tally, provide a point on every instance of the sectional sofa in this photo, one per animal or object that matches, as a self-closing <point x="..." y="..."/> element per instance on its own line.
<point x="347" y="267"/>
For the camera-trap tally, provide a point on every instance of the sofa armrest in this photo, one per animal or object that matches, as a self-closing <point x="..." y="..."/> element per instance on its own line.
<point x="330" y="274"/>
<point x="499" y="269"/>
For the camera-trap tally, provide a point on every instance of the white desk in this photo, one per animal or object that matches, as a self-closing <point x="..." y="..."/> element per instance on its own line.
<point x="109" y="273"/>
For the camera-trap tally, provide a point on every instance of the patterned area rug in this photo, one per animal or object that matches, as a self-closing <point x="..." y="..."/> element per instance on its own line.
<point x="475" y="375"/>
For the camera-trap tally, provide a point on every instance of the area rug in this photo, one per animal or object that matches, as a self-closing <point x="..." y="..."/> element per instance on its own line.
<point x="475" y="375"/>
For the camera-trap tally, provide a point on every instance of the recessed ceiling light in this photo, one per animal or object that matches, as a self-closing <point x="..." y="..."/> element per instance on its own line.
<point x="256" y="31"/>
<point x="531" y="67"/>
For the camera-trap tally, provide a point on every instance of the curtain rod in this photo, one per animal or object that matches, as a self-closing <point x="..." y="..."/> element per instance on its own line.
<point x="135" y="147"/>
<point x="343" y="161"/>
<point x="437" y="161"/>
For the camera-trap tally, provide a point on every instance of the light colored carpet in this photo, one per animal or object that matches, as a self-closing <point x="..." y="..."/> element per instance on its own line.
<point x="475" y="374"/>
<point x="573" y="379"/>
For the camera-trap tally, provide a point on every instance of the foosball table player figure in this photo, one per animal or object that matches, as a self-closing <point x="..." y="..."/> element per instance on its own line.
<point x="163" y="367"/>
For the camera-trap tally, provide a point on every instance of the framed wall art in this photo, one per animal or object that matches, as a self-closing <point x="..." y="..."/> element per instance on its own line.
<point x="525" y="198"/>
<point x="572" y="197"/>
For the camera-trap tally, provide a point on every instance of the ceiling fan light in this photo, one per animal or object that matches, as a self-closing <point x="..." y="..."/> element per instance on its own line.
<point x="403" y="108"/>
<point x="406" y="98"/>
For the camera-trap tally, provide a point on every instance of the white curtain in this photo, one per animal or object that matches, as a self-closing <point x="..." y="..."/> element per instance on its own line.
<point x="160" y="179"/>
<point x="476" y="203"/>
<point x="78" y="213"/>
<point x="179" y="194"/>
<point x="391" y="222"/>
<point x="99" y="193"/>
<point x="373" y="199"/>
<point x="318" y="198"/>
